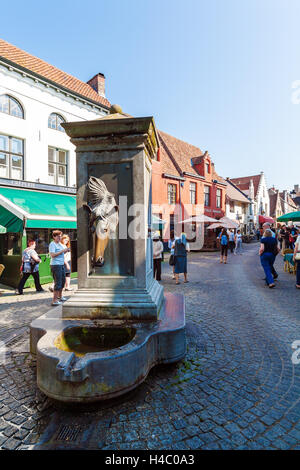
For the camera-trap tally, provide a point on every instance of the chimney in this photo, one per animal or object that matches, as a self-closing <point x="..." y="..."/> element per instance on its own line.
<point x="98" y="84"/>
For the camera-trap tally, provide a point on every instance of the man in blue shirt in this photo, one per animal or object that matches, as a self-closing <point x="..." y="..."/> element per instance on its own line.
<point x="57" y="251"/>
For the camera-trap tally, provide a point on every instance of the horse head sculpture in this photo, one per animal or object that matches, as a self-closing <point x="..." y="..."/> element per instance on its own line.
<point x="104" y="217"/>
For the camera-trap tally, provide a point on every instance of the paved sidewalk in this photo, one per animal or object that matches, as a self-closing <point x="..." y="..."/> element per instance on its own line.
<point x="236" y="389"/>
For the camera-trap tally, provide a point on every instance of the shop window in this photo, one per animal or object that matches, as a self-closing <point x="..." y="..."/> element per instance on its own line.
<point x="172" y="193"/>
<point x="193" y="193"/>
<point x="11" y="157"/>
<point x="10" y="105"/>
<point x="43" y="237"/>
<point x="206" y="196"/>
<point x="57" y="166"/>
<point x="54" y="122"/>
<point x="172" y="223"/>
<point x="11" y="244"/>
<point x="219" y="198"/>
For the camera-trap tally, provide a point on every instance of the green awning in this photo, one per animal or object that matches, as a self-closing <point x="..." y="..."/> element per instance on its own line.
<point x="36" y="209"/>
<point x="2" y="229"/>
<point x="291" y="216"/>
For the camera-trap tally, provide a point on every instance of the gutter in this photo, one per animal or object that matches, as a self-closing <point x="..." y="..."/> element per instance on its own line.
<point x="180" y="178"/>
<point x="46" y="81"/>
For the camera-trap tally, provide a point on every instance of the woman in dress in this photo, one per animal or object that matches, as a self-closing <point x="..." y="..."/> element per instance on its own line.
<point x="181" y="247"/>
<point x="65" y="240"/>
<point x="30" y="267"/>
<point x="238" y="242"/>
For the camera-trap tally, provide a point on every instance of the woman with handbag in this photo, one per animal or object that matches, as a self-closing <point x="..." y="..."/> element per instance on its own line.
<point x="30" y="266"/>
<point x="297" y="260"/>
<point x="172" y="257"/>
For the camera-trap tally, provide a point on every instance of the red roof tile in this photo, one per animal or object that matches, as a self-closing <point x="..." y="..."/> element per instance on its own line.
<point x="244" y="182"/>
<point x="167" y="162"/>
<point x="45" y="70"/>
<point x="181" y="151"/>
<point x="177" y="156"/>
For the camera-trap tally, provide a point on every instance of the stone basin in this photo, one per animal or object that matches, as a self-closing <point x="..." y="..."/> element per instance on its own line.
<point x="82" y="340"/>
<point x="80" y="361"/>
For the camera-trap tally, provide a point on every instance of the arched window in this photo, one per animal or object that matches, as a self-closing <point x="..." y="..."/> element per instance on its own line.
<point x="10" y="105"/>
<point x="54" y="122"/>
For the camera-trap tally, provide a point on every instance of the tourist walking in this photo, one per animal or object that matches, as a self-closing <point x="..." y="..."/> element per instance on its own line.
<point x="267" y="226"/>
<point x="224" y="240"/>
<point x="268" y="251"/>
<point x="158" y="249"/>
<point x="231" y="243"/>
<point x="172" y="258"/>
<point x="57" y="251"/>
<point x="65" y="240"/>
<point x="282" y="238"/>
<point x="238" y="243"/>
<point x="181" y="248"/>
<point x="297" y="260"/>
<point x="30" y="267"/>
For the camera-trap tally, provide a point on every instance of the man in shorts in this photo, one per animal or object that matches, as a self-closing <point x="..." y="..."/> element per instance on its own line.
<point x="57" y="263"/>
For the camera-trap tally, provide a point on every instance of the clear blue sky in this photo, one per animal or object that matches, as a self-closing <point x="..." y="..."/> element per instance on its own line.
<point x="217" y="74"/>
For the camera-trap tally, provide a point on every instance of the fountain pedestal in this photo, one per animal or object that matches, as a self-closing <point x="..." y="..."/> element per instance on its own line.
<point x="116" y="288"/>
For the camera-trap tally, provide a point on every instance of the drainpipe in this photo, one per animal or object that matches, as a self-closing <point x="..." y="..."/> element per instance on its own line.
<point x="182" y="209"/>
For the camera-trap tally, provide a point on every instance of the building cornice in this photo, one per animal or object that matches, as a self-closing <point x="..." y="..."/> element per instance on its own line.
<point x="21" y="184"/>
<point x="173" y="177"/>
<point x="192" y="175"/>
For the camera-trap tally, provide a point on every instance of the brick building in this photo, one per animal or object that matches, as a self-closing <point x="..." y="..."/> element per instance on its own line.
<point x="185" y="183"/>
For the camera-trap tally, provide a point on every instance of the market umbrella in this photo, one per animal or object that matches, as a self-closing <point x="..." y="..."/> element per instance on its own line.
<point x="231" y="223"/>
<point x="157" y="222"/>
<point x="218" y="225"/>
<point x="291" y="216"/>
<point x="198" y="218"/>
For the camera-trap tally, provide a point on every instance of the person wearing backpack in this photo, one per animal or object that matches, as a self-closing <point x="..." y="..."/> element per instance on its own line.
<point x="224" y="242"/>
<point x="30" y="267"/>
<point x="181" y="248"/>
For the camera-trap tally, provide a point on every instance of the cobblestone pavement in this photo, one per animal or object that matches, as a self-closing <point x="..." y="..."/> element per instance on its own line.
<point x="236" y="389"/>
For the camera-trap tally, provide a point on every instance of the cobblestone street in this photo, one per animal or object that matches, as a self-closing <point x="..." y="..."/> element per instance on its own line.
<point x="236" y="389"/>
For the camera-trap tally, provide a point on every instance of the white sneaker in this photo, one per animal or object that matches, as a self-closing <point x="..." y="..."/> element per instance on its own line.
<point x="63" y="299"/>
<point x="54" y="304"/>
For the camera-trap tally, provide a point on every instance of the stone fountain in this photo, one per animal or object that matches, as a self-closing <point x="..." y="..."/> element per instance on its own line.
<point x="103" y="341"/>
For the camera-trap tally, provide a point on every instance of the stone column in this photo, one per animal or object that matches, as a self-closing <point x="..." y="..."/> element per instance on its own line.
<point x="117" y="150"/>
